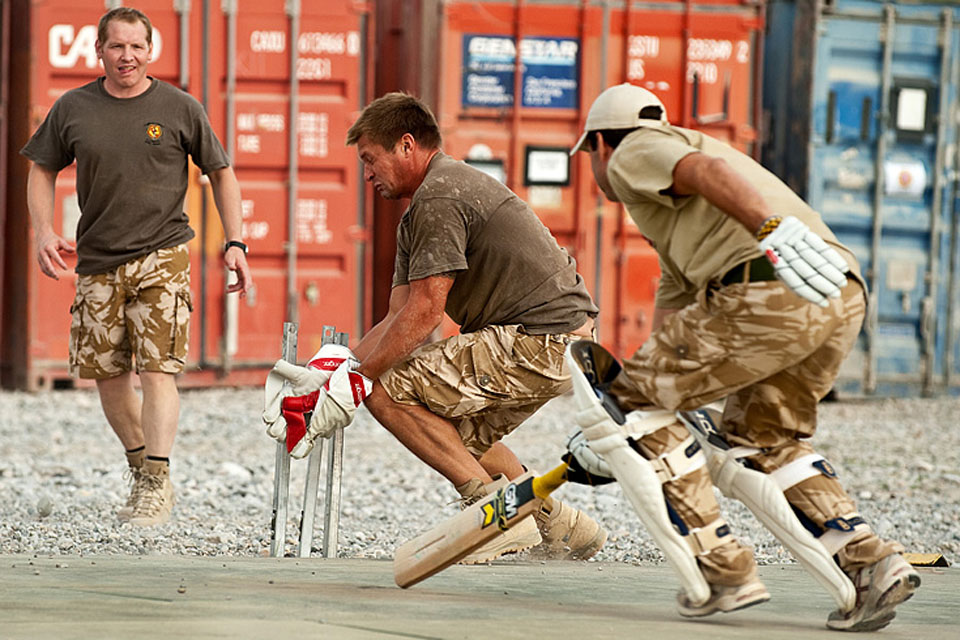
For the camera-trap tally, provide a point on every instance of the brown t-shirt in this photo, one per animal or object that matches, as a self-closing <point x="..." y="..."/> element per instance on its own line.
<point x="508" y="268"/>
<point x="696" y="241"/>
<point x="131" y="158"/>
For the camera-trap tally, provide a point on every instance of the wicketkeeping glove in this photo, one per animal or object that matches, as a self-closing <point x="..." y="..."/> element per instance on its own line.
<point x="334" y="407"/>
<point x="802" y="260"/>
<point x="290" y="380"/>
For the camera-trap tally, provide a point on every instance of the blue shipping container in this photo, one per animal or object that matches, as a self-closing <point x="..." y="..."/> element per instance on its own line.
<point x="861" y="119"/>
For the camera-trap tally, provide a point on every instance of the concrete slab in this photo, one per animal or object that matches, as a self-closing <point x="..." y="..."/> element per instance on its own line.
<point x="202" y="597"/>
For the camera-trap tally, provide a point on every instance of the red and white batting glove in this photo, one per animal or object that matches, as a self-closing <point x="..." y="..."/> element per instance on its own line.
<point x="334" y="407"/>
<point x="289" y="380"/>
<point x="802" y="260"/>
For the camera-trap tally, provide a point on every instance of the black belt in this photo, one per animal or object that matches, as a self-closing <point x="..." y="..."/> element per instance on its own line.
<point x="756" y="270"/>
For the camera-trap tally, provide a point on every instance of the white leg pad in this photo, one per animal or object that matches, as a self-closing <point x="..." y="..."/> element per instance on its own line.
<point x="763" y="496"/>
<point x="636" y="476"/>
<point x="640" y="485"/>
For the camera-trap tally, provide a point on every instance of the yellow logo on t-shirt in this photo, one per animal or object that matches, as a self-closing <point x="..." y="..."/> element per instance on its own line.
<point x="154" y="131"/>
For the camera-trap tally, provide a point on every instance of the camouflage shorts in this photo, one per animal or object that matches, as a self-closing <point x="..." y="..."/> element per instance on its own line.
<point x="140" y="310"/>
<point x="486" y="383"/>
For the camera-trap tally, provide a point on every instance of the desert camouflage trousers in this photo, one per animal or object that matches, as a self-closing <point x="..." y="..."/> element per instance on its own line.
<point x="486" y="382"/>
<point x="140" y="311"/>
<point x="772" y="356"/>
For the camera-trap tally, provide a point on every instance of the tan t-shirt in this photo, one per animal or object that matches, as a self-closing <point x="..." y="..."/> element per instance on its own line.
<point x="508" y="268"/>
<point x="696" y="241"/>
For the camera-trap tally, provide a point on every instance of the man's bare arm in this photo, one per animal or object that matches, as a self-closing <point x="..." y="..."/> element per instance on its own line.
<point x="41" y="184"/>
<point x="716" y="180"/>
<point x="226" y="194"/>
<point x="415" y="311"/>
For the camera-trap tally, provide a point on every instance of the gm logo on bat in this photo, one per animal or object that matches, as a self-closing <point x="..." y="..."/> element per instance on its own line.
<point x="502" y="508"/>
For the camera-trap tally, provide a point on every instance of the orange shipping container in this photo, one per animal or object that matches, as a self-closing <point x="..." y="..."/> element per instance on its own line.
<point x="281" y="82"/>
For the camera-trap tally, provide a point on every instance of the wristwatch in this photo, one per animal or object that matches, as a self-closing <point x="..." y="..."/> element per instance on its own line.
<point x="235" y="243"/>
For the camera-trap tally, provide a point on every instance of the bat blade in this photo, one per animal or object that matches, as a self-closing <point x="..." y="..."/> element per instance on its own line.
<point x="455" y="538"/>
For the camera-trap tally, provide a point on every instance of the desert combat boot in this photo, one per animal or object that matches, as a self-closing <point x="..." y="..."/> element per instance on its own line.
<point x="156" y="499"/>
<point x="520" y="537"/>
<point x="133" y="475"/>
<point x="568" y="533"/>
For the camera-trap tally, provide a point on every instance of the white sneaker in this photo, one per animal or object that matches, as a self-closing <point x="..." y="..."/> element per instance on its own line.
<point x="724" y="599"/>
<point x="880" y="588"/>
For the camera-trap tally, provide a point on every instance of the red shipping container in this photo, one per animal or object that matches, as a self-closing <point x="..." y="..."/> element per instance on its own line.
<point x="305" y="212"/>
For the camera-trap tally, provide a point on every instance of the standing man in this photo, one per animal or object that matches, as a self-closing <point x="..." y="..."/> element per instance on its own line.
<point x="758" y="304"/>
<point x="130" y="135"/>
<point x="469" y="246"/>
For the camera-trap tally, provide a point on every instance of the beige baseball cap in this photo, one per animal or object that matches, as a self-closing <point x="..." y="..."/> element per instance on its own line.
<point x="619" y="107"/>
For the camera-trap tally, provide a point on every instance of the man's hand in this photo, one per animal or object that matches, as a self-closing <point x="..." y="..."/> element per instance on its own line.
<point x="289" y="380"/>
<point x="49" y="248"/>
<point x="335" y="407"/>
<point x="802" y="260"/>
<point x="236" y="261"/>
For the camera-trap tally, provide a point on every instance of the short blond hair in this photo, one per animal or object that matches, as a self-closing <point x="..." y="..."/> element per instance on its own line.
<point x="126" y="14"/>
<point x="386" y="119"/>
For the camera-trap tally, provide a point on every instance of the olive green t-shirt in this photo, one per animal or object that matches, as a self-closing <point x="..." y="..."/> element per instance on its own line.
<point x="508" y="268"/>
<point x="131" y="158"/>
<point x="696" y="241"/>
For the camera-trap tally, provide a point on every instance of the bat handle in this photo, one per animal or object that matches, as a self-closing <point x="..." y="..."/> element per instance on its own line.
<point x="546" y="484"/>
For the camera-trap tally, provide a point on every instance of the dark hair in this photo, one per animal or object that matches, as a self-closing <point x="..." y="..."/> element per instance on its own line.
<point x="612" y="137"/>
<point x="126" y="14"/>
<point x="386" y="119"/>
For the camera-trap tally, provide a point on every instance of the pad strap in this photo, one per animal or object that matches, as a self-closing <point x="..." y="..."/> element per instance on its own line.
<point x="803" y="468"/>
<point x="839" y="532"/>
<point x="641" y="423"/>
<point x="685" y="458"/>
<point x="705" y="539"/>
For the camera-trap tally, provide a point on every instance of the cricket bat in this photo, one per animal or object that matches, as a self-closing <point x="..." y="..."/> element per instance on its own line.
<point x="456" y="537"/>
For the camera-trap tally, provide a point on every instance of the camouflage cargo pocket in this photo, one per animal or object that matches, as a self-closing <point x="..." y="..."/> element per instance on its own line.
<point x="181" y="327"/>
<point x="488" y="368"/>
<point x="76" y="330"/>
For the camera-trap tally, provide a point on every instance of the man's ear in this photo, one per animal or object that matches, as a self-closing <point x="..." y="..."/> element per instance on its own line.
<point x="604" y="150"/>
<point x="407" y="144"/>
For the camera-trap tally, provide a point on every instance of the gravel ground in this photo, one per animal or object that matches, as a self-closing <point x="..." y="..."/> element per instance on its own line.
<point x="61" y="480"/>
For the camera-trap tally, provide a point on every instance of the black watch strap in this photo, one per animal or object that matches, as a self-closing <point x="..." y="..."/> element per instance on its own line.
<point x="235" y="243"/>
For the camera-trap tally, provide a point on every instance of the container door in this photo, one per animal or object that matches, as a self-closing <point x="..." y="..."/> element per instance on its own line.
<point x="304" y="212"/>
<point x="882" y="88"/>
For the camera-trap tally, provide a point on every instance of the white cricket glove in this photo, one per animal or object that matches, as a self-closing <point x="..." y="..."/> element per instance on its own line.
<point x="290" y="380"/>
<point x="335" y="406"/>
<point x="802" y="260"/>
<point x="589" y="466"/>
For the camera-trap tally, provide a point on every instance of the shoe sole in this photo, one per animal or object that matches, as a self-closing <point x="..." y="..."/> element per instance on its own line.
<point x="696" y="613"/>
<point x="898" y="593"/>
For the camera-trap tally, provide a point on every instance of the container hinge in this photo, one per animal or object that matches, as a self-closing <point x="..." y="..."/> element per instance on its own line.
<point x="182" y="7"/>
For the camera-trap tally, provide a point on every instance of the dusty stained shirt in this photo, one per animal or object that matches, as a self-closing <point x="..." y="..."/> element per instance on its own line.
<point x="508" y="268"/>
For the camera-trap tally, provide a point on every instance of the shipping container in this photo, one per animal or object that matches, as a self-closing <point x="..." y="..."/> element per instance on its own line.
<point x="516" y="116"/>
<point x="281" y="81"/>
<point x="863" y="124"/>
